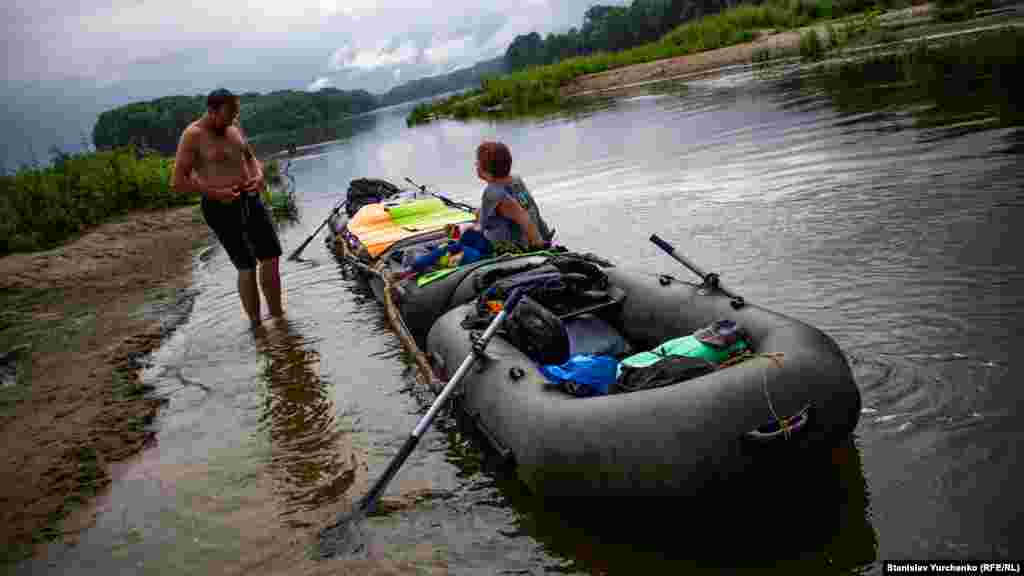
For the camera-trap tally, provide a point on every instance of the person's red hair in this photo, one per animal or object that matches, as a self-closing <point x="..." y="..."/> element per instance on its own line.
<point x="495" y="158"/>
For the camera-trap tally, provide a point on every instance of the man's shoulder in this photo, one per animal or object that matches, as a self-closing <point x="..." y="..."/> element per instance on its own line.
<point x="192" y="132"/>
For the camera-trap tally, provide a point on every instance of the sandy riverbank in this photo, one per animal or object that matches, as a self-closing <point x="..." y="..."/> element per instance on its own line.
<point x="82" y="316"/>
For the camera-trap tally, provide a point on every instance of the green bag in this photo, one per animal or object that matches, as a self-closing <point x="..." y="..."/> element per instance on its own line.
<point x="684" y="346"/>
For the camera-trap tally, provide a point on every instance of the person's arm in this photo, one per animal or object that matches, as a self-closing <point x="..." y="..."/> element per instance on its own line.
<point x="253" y="167"/>
<point x="511" y="209"/>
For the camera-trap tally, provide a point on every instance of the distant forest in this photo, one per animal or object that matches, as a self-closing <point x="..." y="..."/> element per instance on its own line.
<point x="612" y="28"/>
<point x="157" y="124"/>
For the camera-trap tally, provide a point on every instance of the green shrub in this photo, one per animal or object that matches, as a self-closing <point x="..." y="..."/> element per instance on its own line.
<point x="811" y="46"/>
<point x="42" y="207"/>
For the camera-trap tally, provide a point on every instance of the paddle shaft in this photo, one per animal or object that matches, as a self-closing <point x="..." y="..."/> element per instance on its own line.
<point x="672" y="252"/>
<point x="447" y="201"/>
<point x="711" y="280"/>
<point x="370" y="500"/>
<point x="317" y="231"/>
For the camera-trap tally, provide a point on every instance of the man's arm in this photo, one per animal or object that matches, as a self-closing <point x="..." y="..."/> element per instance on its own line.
<point x="184" y="160"/>
<point x="252" y="166"/>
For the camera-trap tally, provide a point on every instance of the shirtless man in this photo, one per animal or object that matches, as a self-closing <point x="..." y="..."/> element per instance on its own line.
<point x="214" y="160"/>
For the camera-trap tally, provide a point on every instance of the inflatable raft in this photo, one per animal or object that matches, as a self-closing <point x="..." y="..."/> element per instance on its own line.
<point x="790" y="384"/>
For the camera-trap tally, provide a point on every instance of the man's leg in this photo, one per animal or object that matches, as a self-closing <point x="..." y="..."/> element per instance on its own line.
<point x="270" y="281"/>
<point x="249" y="292"/>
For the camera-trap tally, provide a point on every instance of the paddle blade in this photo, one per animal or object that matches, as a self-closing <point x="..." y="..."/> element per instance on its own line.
<point x="345" y="537"/>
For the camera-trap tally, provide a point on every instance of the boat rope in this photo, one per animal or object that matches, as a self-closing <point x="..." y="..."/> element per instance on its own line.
<point x="776" y="358"/>
<point x="420" y="359"/>
<point x="783" y="424"/>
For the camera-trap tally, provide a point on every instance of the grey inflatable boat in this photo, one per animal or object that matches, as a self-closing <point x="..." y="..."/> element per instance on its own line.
<point x="797" y="390"/>
<point x="663" y="441"/>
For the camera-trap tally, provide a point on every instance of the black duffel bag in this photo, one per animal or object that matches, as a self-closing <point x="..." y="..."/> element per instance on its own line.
<point x="538" y="332"/>
<point x="668" y="370"/>
<point x="363" y="191"/>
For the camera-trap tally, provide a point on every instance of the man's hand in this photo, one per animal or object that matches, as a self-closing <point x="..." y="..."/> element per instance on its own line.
<point x="225" y="194"/>
<point x="253" y="185"/>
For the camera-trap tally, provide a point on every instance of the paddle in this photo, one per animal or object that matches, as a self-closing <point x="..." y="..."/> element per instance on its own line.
<point x="448" y="201"/>
<point x="711" y="280"/>
<point x="295" y="254"/>
<point x="341" y="533"/>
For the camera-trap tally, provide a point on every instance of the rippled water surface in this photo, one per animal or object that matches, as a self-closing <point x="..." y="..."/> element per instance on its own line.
<point x="872" y="208"/>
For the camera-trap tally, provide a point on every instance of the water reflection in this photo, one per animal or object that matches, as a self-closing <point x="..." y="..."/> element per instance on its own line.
<point x="308" y="460"/>
<point x="798" y="512"/>
<point x="961" y="86"/>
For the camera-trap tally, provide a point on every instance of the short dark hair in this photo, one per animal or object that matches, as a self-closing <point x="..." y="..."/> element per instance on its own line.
<point x="495" y="158"/>
<point x="220" y="97"/>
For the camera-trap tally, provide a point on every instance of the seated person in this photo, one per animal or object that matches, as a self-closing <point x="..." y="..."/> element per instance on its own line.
<point x="507" y="212"/>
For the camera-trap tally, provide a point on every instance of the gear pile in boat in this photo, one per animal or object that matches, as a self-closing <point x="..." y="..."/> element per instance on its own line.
<point x="555" y="325"/>
<point x="715" y="378"/>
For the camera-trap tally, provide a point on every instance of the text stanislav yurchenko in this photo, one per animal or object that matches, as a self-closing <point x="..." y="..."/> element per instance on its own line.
<point x="951" y="567"/>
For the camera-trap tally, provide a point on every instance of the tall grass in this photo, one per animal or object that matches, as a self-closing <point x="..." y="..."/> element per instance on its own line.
<point x="43" y="207"/>
<point x="279" y="191"/>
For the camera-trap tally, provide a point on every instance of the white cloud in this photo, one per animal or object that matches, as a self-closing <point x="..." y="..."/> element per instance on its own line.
<point x="444" y="51"/>
<point x="321" y="82"/>
<point x="350" y="8"/>
<point x="367" y="59"/>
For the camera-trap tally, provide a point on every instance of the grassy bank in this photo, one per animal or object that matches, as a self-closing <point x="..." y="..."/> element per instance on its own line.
<point x="41" y="208"/>
<point x="538" y="87"/>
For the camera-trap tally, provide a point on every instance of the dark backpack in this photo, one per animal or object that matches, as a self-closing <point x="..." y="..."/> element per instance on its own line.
<point x="363" y="191"/>
<point x="538" y="332"/>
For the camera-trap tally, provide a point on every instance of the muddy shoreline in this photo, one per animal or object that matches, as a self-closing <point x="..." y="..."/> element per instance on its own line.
<point x="83" y="319"/>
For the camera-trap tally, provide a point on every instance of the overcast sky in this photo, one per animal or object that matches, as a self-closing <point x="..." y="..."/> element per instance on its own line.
<point x="65" y="62"/>
<point x="265" y="44"/>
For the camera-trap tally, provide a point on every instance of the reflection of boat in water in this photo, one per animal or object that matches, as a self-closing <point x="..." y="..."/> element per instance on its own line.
<point x="684" y="434"/>
<point x="799" y="515"/>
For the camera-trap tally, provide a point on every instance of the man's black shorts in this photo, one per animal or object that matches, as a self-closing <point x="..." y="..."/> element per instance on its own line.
<point x="244" y="228"/>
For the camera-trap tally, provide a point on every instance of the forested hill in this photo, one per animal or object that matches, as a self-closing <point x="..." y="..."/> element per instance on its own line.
<point x="613" y="28"/>
<point x="432" y="86"/>
<point x="158" y="124"/>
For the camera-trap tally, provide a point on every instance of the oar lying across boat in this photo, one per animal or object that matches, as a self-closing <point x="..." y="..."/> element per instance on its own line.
<point x="295" y="255"/>
<point x="447" y="201"/>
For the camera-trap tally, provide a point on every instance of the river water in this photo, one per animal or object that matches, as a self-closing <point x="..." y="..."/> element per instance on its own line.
<point x="870" y="200"/>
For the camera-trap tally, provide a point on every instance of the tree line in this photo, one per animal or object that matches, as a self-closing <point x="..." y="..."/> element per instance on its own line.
<point x="616" y="28"/>
<point x="157" y="124"/>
